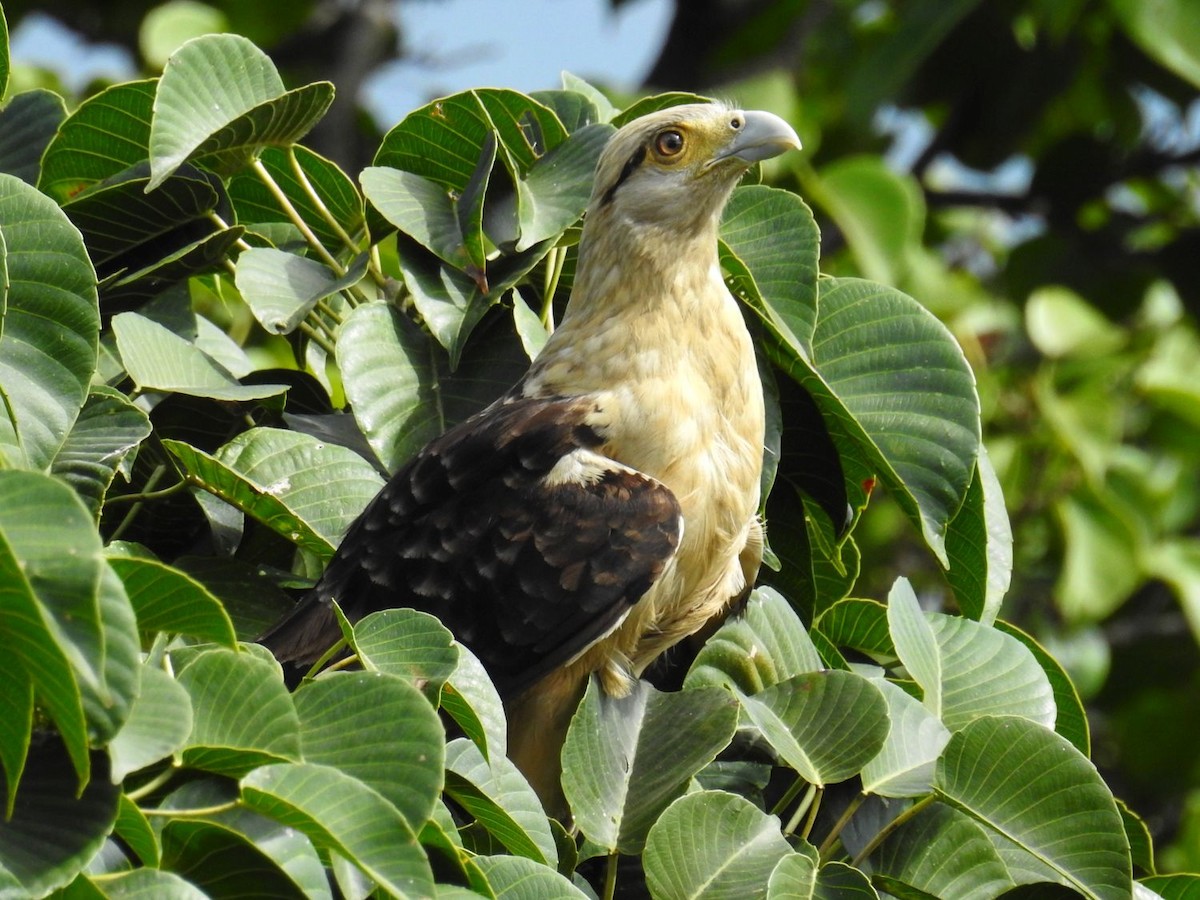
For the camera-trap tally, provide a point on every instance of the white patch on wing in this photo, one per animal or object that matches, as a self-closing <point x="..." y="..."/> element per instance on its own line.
<point x="583" y="467"/>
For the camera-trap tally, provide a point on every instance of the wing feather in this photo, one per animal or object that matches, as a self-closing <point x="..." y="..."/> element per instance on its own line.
<point x="512" y="528"/>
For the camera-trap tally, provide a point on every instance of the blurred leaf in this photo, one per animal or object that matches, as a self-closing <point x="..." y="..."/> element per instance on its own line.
<point x="1100" y="557"/>
<point x="27" y="124"/>
<point x="242" y="714"/>
<point x="48" y="346"/>
<point x="765" y="645"/>
<point x="710" y="845"/>
<point x="55" y="827"/>
<point x="340" y="813"/>
<point x="501" y="800"/>
<point x="1168" y="31"/>
<point x="220" y="102"/>
<point x="167" y="26"/>
<point x="825" y="725"/>
<point x="1177" y="563"/>
<point x="625" y="759"/>
<point x="1062" y="324"/>
<point x="1001" y="770"/>
<point x="379" y="729"/>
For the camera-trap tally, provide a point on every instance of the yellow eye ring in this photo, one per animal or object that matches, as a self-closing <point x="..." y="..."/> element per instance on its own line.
<point x="669" y="143"/>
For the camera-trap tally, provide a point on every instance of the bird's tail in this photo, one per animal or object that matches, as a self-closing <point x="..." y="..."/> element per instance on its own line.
<point x="305" y="633"/>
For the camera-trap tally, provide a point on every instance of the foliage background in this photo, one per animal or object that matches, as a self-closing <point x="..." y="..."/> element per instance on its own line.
<point x="1048" y="215"/>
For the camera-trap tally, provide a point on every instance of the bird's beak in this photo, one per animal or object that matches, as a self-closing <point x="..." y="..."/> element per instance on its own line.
<point x="761" y="136"/>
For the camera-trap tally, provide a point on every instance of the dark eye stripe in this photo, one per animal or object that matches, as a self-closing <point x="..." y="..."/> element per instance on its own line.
<point x="630" y="165"/>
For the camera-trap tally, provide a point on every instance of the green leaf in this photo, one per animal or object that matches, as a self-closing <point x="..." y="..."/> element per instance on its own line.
<point x="1030" y="785"/>
<point x="1062" y="324"/>
<point x="470" y="698"/>
<point x="944" y="853"/>
<point x="149" y="884"/>
<point x="168" y="600"/>
<point x="769" y="247"/>
<point x="51" y="612"/>
<point x="134" y="829"/>
<point x="339" y="812"/>
<point x="860" y="625"/>
<point x="764" y="646"/>
<point x="825" y="725"/>
<point x="967" y="669"/>
<point x="412" y="645"/>
<point x="838" y="881"/>
<point x="390" y="374"/>
<point x="220" y="102"/>
<point x="190" y="848"/>
<point x="282" y="288"/>
<point x="654" y="103"/>
<point x="159" y="360"/>
<point x="107" y="705"/>
<point x="158" y="725"/>
<point x="556" y="190"/>
<point x="27" y="124"/>
<point x="258" y="207"/>
<point x="49" y="343"/>
<point x="576" y="85"/>
<point x="16" y="708"/>
<point x="501" y="800"/>
<point x="712" y="845"/>
<point x="55" y="828"/>
<point x="795" y="876"/>
<point x="1100" y="560"/>
<point x="167" y="26"/>
<point x="381" y="730"/>
<point x="1174" y="887"/>
<point x="106" y="134"/>
<point x="108" y="430"/>
<point x="517" y="878"/>
<point x="242" y="713"/>
<point x="904" y="767"/>
<point x="979" y="545"/>
<point x="450" y="225"/>
<point x="1166" y="31"/>
<point x="897" y="380"/>
<point x="626" y="759"/>
<point x="1177" y="563"/>
<point x="4" y="60"/>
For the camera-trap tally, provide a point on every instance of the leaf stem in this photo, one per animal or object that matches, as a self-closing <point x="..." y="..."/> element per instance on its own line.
<point x="610" y="876"/>
<point x="152" y="785"/>
<point x="147" y="495"/>
<point x="812" y="813"/>
<point x="198" y="813"/>
<point x="224" y="226"/>
<point x="555" y="260"/>
<point x="827" y="845"/>
<point x="324" y="658"/>
<point x="891" y="826"/>
<point x="788" y="796"/>
<point x="801" y="808"/>
<point x="317" y="338"/>
<point x="126" y="522"/>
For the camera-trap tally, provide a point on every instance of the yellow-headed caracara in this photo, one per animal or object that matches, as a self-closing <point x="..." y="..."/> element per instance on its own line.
<point x="605" y="507"/>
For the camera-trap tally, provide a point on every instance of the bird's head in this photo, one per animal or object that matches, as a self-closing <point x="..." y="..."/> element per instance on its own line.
<point x="678" y="165"/>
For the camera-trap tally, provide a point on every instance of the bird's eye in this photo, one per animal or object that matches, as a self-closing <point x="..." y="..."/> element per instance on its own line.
<point x="736" y="123"/>
<point x="669" y="143"/>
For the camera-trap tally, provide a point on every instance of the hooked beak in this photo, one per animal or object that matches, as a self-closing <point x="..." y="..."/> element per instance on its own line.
<point x="762" y="136"/>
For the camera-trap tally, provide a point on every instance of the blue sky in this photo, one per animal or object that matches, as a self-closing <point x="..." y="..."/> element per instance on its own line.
<point x="454" y="44"/>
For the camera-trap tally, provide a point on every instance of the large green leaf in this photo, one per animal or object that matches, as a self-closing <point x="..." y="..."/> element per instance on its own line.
<point x="712" y="845"/>
<point x="1166" y="31"/>
<point x="220" y="102"/>
<point x="764" y="646"/>
<point x="106" y="134"/>
<point x="146" y="884"/>
<point x="501" y="800"/>
<point x="825" y="725"/>
<point x="159" y="360"/>
<point x="55" y="828"/>
<point x="409" y="644"/>
<point x="967" y="669"/>
<point x="1071" y="720"/>
<point x="769" y="247"/>
<point x="470" y="698"/>
<point x="517" y="878"/>
<point x="242" y="713"/>
<point x="1035" y="789"/>
<point x="190" y="848"/>
<point x="381" y="730"/>
<point x="339" y="812"/>
<point x="51" y="324"/>
<point x="27" y="124"/>
<point x="282" y="288"/>
<point x="555" y="192"/>
<point x="626" y="759"/>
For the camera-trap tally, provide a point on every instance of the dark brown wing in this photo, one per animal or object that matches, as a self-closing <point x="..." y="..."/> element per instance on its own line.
<point x="526" y="564"/>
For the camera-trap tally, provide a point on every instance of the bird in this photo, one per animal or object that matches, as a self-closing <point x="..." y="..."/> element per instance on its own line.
<point x="606" y="506"/>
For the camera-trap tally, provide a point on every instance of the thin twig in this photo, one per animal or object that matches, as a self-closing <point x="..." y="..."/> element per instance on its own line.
<point x="886" y="831"/>
<point x="831" y="839"/>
